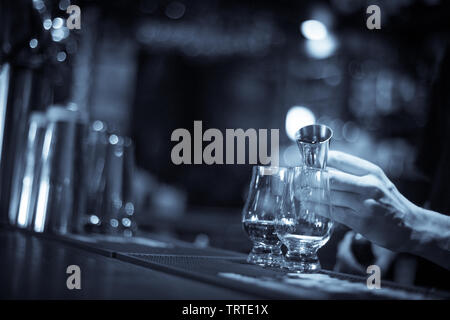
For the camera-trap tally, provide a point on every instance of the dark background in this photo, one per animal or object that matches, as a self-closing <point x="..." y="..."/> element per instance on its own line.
<point x="245" y="64"/>
<point x="148" y="67"/>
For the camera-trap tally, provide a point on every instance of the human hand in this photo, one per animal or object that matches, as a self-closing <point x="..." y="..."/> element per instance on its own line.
<point x="365" y="200"/>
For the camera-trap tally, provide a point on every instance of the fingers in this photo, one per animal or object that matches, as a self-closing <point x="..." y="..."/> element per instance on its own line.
<point x="351" y="164"/>
<point x="346" y="199"/>
<point x="365" y="185"/>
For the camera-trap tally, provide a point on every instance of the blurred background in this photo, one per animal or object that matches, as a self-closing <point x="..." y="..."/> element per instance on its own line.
<point x="148" y="67"/>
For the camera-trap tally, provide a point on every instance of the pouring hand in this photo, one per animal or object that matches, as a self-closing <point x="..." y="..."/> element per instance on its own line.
<point x="364" y="199"/>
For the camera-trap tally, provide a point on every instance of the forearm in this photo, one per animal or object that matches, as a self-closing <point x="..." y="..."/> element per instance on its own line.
<point x="430" y="238"/>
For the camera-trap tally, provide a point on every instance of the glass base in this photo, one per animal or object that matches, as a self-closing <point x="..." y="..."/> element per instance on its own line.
<point x="301" y="263"/>
<point x="266" y="256"/>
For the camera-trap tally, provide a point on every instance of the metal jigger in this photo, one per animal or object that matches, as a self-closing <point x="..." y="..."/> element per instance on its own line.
<point x="314" y="142"/>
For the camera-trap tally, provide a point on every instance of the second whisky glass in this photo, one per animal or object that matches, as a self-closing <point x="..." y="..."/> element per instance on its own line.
<point x="301" y="224"/>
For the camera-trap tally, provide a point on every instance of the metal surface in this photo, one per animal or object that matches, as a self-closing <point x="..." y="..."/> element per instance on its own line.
<point x="314" y="142"/>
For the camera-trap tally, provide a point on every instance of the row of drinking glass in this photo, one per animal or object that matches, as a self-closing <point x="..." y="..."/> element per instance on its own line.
<point x="289" y="206"/>
<point x="72" y="176"/>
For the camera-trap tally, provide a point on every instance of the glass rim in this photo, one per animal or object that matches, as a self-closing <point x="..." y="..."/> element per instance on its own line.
<point x="269" y="170"/>
<point x="324" y="132"/>
<point x="309" y="168"/>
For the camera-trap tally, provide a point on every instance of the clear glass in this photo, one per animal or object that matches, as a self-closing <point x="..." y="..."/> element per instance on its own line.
<point x="117" y="207"/>
<point x="97" y="146"/>
<point x="300" y="222"/>
<point x="61" y="189"/>
<point x="267" y="188"/>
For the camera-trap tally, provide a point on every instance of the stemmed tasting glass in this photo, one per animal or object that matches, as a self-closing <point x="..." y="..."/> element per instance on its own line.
<point x="301" y="224"/>
<point x="267" y="187"/>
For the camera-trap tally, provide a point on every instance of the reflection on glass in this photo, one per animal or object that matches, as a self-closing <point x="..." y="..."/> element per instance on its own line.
<point x="24" y="206"/>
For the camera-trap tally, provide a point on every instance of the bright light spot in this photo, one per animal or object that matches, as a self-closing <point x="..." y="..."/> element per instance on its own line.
<point x="321" y="49"/>
<point x="126" y="222"/>
<point x="58" y="23"/>
<point x="22" y="217"/>
<point x="47" y="144"/>
<point x="41" y="207"/>
<point x="33" y="43"/>
<point x="296" y="118"/>
<point x="47" y="24"/>
<point x="94" y="219"/>
<point x="4" y="79"/>
<point x="313" y="30"/>
<point x="113" y="139"/>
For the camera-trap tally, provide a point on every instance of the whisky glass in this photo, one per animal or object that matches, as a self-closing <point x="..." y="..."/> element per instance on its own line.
<point x="267" y="187"/>
<point x="301" y="224"/>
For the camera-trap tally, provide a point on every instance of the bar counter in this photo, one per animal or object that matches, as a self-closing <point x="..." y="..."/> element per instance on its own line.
<point x="33" y="266"/>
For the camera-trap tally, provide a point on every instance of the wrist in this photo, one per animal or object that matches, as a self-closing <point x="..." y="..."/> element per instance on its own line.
<point x="430" y="235"/>
<point x="419" y="236"/>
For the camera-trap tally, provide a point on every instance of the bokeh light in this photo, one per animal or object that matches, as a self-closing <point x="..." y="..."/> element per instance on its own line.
<point x="321" y="49"/>
<point x="33" y="43"/>
<point x="313" y="30"/>
<point x="296" y="118"/>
